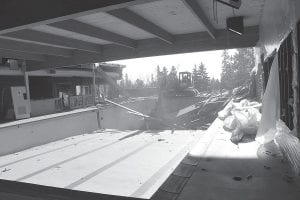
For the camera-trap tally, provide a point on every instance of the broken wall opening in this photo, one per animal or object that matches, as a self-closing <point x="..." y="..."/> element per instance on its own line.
<point x="285" y="68"/>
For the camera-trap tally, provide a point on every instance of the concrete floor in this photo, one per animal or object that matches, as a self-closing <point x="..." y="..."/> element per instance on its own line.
<point x="217" y="169"/>
<point x="125" y="163"/>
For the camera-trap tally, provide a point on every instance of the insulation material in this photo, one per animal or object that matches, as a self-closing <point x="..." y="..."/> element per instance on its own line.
<point x="272" y="128"/>
<point x="271" y="107"/>
<point x="289" y="145"/>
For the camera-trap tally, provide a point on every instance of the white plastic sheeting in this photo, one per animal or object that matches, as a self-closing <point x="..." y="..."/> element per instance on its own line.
<point x="241" y="119"/>
<point x="271" y="107"/>
<point x="271" y="127"/>
<point x="289" y="145"/>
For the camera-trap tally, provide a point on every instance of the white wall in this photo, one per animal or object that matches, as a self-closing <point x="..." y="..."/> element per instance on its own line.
<point x="19" y="135"/>
<point x="42" y="107"/>
<point x="23" y="134"/>
<point x="114" y="117"/>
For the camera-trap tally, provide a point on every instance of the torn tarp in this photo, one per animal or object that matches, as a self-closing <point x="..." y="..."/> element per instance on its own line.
<point x="271" y="107"/>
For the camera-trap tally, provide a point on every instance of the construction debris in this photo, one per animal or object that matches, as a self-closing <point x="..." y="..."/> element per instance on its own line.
<point x="200" y="115"/>
<point x="241" y="118"/>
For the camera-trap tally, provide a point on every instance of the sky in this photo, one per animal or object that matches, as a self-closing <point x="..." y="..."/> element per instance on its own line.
<point x="142" y="68"/>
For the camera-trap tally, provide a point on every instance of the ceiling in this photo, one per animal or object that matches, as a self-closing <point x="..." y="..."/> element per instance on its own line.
<point x="65" y="33"/>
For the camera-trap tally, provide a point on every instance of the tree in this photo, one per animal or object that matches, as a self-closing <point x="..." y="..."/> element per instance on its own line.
<point x="236" y="69"/>
<point x="128" y="83"/>
<point x="165" y="71"/>
<point x="139" y="83"/>
<point x="162" y="78"/>
<point x="215" y="85"/>
<point x="200" y="77"/>
<point x="227" y="70"/>
<point x="172" y="81"/>
<point x="152" y="81"/>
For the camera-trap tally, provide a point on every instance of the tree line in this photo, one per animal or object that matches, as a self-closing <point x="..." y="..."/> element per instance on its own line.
<point x="236" y="69"/>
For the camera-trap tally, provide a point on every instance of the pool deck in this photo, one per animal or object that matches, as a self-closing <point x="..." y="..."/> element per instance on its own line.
<point x="217" y="169"/>
<point x="157" y="165"/>
<point x="123" y="163"/>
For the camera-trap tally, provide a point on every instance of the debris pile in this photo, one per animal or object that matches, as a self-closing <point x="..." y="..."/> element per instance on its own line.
<point x="242" y="119"/>
<point x="200" y="115"/>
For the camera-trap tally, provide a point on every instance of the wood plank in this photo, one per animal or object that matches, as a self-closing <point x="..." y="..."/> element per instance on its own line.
<point x="196" y="9"/>
<point x="21" y="55"/>
<point x="29" y="13"/>
<point x="142" y="23"/>
<point x="92" y="31"/>
<point x="46" y="38"/>
<point x="153" y="47"/>
<point x="12" y="45"/>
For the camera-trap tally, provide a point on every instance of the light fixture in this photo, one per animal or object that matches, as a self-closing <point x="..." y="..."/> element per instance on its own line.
<point x="235" y="24"/>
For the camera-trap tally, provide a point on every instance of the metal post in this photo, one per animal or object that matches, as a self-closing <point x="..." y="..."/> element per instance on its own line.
<point x="26" y="80"/>
<point x="94" y="83"/>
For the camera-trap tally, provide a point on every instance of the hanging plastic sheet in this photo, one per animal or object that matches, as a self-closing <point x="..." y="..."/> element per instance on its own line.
<point x="271" y="107"/>
<point x="272" y="128"/>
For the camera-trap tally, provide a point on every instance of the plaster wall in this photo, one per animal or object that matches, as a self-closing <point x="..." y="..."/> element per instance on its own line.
<point x="23" y="134"/>
<point x="114" y="117"/>
<point x="42" y="107"/>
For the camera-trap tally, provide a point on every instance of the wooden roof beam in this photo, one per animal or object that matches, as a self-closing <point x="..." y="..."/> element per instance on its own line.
<point x="21" y="55"/>
<point x="142" y="23"/>
<point x="7" y="44"/>
<point x="46" y="38"/>
<point x="196" y="9"/>
<point x="18" y="15"/>
<point x="184" y="43"/>
<point x="92" y="31"/>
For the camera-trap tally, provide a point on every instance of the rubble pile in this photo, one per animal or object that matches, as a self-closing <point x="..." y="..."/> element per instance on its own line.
<point x="242" y="119"/>
<point x="202" y="114"/>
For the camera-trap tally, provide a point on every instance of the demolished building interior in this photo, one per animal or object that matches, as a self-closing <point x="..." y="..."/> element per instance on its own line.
<point x="228" y="146"/>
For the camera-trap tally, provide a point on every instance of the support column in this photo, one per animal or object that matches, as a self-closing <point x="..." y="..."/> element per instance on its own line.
<point x="26" y="80"/>
<point x="94" y="84"/>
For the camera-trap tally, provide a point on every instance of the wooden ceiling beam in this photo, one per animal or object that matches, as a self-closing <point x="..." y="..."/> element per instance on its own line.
<point x="197" y="11"/>
<point x="142" y="23"/>
<point x="92" y="31"/>
<point x="20" y="55"/>
<point x="18" y="15"/>
<point x="184" y="43"/>
<point x="7" y="44"/>
<point x="46" y="38"/>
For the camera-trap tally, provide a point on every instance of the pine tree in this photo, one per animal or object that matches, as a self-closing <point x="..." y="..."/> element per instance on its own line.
<point x="139" y="83"/>
<point x="196" y="78"/>
<point x="204" y="79"/>
<point x="236" y="69"/>
<point x="227" y="76"/>
<point x="128" y="83"/>
<point x="165" y="71"/>
<point x="172" y="81"/>
<point x="152" y="82"/>
<point x="158" y="73"/>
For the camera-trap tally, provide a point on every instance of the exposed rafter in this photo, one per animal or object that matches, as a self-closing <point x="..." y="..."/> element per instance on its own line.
<point x="33" y="48"/>
<point x="78" y="57"/>
<point x="21" y="55"/>
<point x="184" y="43"/>
<point x="18" y="15"/>
<point x="142" y="23"/>
<point x="196" y="9"/>
<point x="41" y="37"/>
<point x="92" y="31"/>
